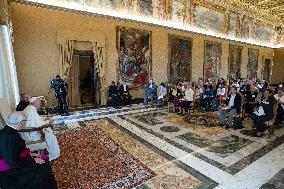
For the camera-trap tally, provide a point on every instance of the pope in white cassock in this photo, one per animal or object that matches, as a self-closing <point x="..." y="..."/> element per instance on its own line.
<point x="34" y="120"/>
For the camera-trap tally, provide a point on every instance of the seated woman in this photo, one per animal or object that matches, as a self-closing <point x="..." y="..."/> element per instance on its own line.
<point x="264" y="112"/>
<point x="171" y="96"/>
<point x="177" y="97"/>
<point x="250" y="100"/>
<point x="19" y="169"/>
<point x="188" y="99"/>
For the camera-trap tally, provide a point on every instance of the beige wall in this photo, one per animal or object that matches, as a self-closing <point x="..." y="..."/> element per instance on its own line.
<point x="278" y="66"/>
<point x="35" y="33"/>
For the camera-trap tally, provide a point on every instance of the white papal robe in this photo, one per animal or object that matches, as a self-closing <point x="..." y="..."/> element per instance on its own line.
<point x="34" y="120"/>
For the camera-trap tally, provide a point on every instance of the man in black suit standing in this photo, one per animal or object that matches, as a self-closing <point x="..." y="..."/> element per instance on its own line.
<point x="124" y="93"/>
<point x="233" y="108"/>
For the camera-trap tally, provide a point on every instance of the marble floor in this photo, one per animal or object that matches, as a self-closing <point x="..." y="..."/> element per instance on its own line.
<point x="184" y="155"/>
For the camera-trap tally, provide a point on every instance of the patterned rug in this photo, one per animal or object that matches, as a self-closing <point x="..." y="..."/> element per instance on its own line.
<point x="180" y="120"/>
<point x="90" y="159"/>
<point x="208" y="120"/>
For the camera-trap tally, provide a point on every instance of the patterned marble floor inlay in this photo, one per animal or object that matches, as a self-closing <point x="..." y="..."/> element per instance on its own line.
<point x="171" y="174"/>
<point x="179" y="154"/>
<point x="277" y="182"/>
<point x="223" y="147"/>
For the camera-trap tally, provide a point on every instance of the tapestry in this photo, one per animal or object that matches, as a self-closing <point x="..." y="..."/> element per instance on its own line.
<point x="235" y="61"/>
<point x="233" y="24"/>
<point x="146" y="8"/>
<point x="135" y="57"/>
<point x="180" y="11"/>
<point x="180" y="58"/>
<point x="252" y="62"/>
<point x="263" y="34"/>
<point x="90" y="159"/>
<point x="212" y="60"/>
<point x="209" y="19"/>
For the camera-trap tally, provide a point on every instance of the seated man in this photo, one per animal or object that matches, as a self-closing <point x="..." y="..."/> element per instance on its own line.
<point x="149" y="91"/>
<point x="112" y="93"/>
<point x="25" y="101"/>
<point x="34" y="120"/>
<point x="19" y="169"/>
<point x="233" y="107"/>
<point x="124" y="93"/>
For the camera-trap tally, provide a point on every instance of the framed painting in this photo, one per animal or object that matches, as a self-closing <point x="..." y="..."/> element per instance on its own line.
<point x="209" y="18"/>
<point x="252" y="62"/>
<point x="212" y="60"/>
<point x="235" y="61"/>
<point x="134" y="48"/>
<point x="180" y="58"/>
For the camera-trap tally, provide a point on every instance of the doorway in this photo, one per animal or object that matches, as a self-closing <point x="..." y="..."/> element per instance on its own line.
<point x="266" y="70"/>
<point x="88" y="82"/>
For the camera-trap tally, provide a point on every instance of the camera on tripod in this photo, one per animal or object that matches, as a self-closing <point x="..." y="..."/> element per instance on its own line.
<point x="59" y="86"/>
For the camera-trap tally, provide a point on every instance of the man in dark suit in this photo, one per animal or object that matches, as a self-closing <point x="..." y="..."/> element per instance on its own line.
<point x="25" y="101"/>
<point x="233" y="107"/>
<point x="112" y="93"/>
<point x="124" y="93"/>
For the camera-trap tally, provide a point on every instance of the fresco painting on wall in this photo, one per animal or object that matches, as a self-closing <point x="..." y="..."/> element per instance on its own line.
<point x="180" y="11"/>
<point x="263" y="34"/>
<point x="207" y="19"/>
<point x="235" y="61"/>
<point x="245" y="27"/>
<point x="252" y="62"/>
<point x="278" y="35"/>
<point x="146" y="8"/>
<point x="233" y="24"/>
<point x="134" y="55"/>
<point x="180" y="58"/>
<point x="212" y="60"/>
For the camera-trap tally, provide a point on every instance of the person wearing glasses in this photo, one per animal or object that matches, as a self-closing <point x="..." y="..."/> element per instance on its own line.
<point x="19" y="168"/>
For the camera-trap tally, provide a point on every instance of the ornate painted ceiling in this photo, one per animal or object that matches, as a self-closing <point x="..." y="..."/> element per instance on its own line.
<point x="270" y="10"/>
<point x="258" y="22"/>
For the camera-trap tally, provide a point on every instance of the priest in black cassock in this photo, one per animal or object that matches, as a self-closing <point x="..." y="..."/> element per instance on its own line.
<point x="20" y="169"/>
<point x="25" y="101"/>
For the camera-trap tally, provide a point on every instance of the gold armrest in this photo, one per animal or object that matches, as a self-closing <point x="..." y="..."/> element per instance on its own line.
<point x="39" y="129"/>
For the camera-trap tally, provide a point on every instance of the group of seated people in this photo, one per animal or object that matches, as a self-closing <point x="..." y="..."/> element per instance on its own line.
<point x="232" y="98"/>
<point x="119" y="94"/>
<point x="19" y="167"/>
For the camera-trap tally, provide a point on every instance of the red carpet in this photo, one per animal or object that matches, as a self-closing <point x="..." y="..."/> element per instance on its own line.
<point x="90" y="159"/>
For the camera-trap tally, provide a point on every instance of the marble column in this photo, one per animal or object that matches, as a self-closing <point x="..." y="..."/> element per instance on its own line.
<point x="8" y="76"/>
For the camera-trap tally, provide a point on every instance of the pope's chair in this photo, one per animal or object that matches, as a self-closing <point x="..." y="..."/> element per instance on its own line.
<point x="5" y="111"/>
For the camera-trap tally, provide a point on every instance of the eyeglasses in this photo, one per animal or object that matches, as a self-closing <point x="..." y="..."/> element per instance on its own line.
<point x="23" y="121"/>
